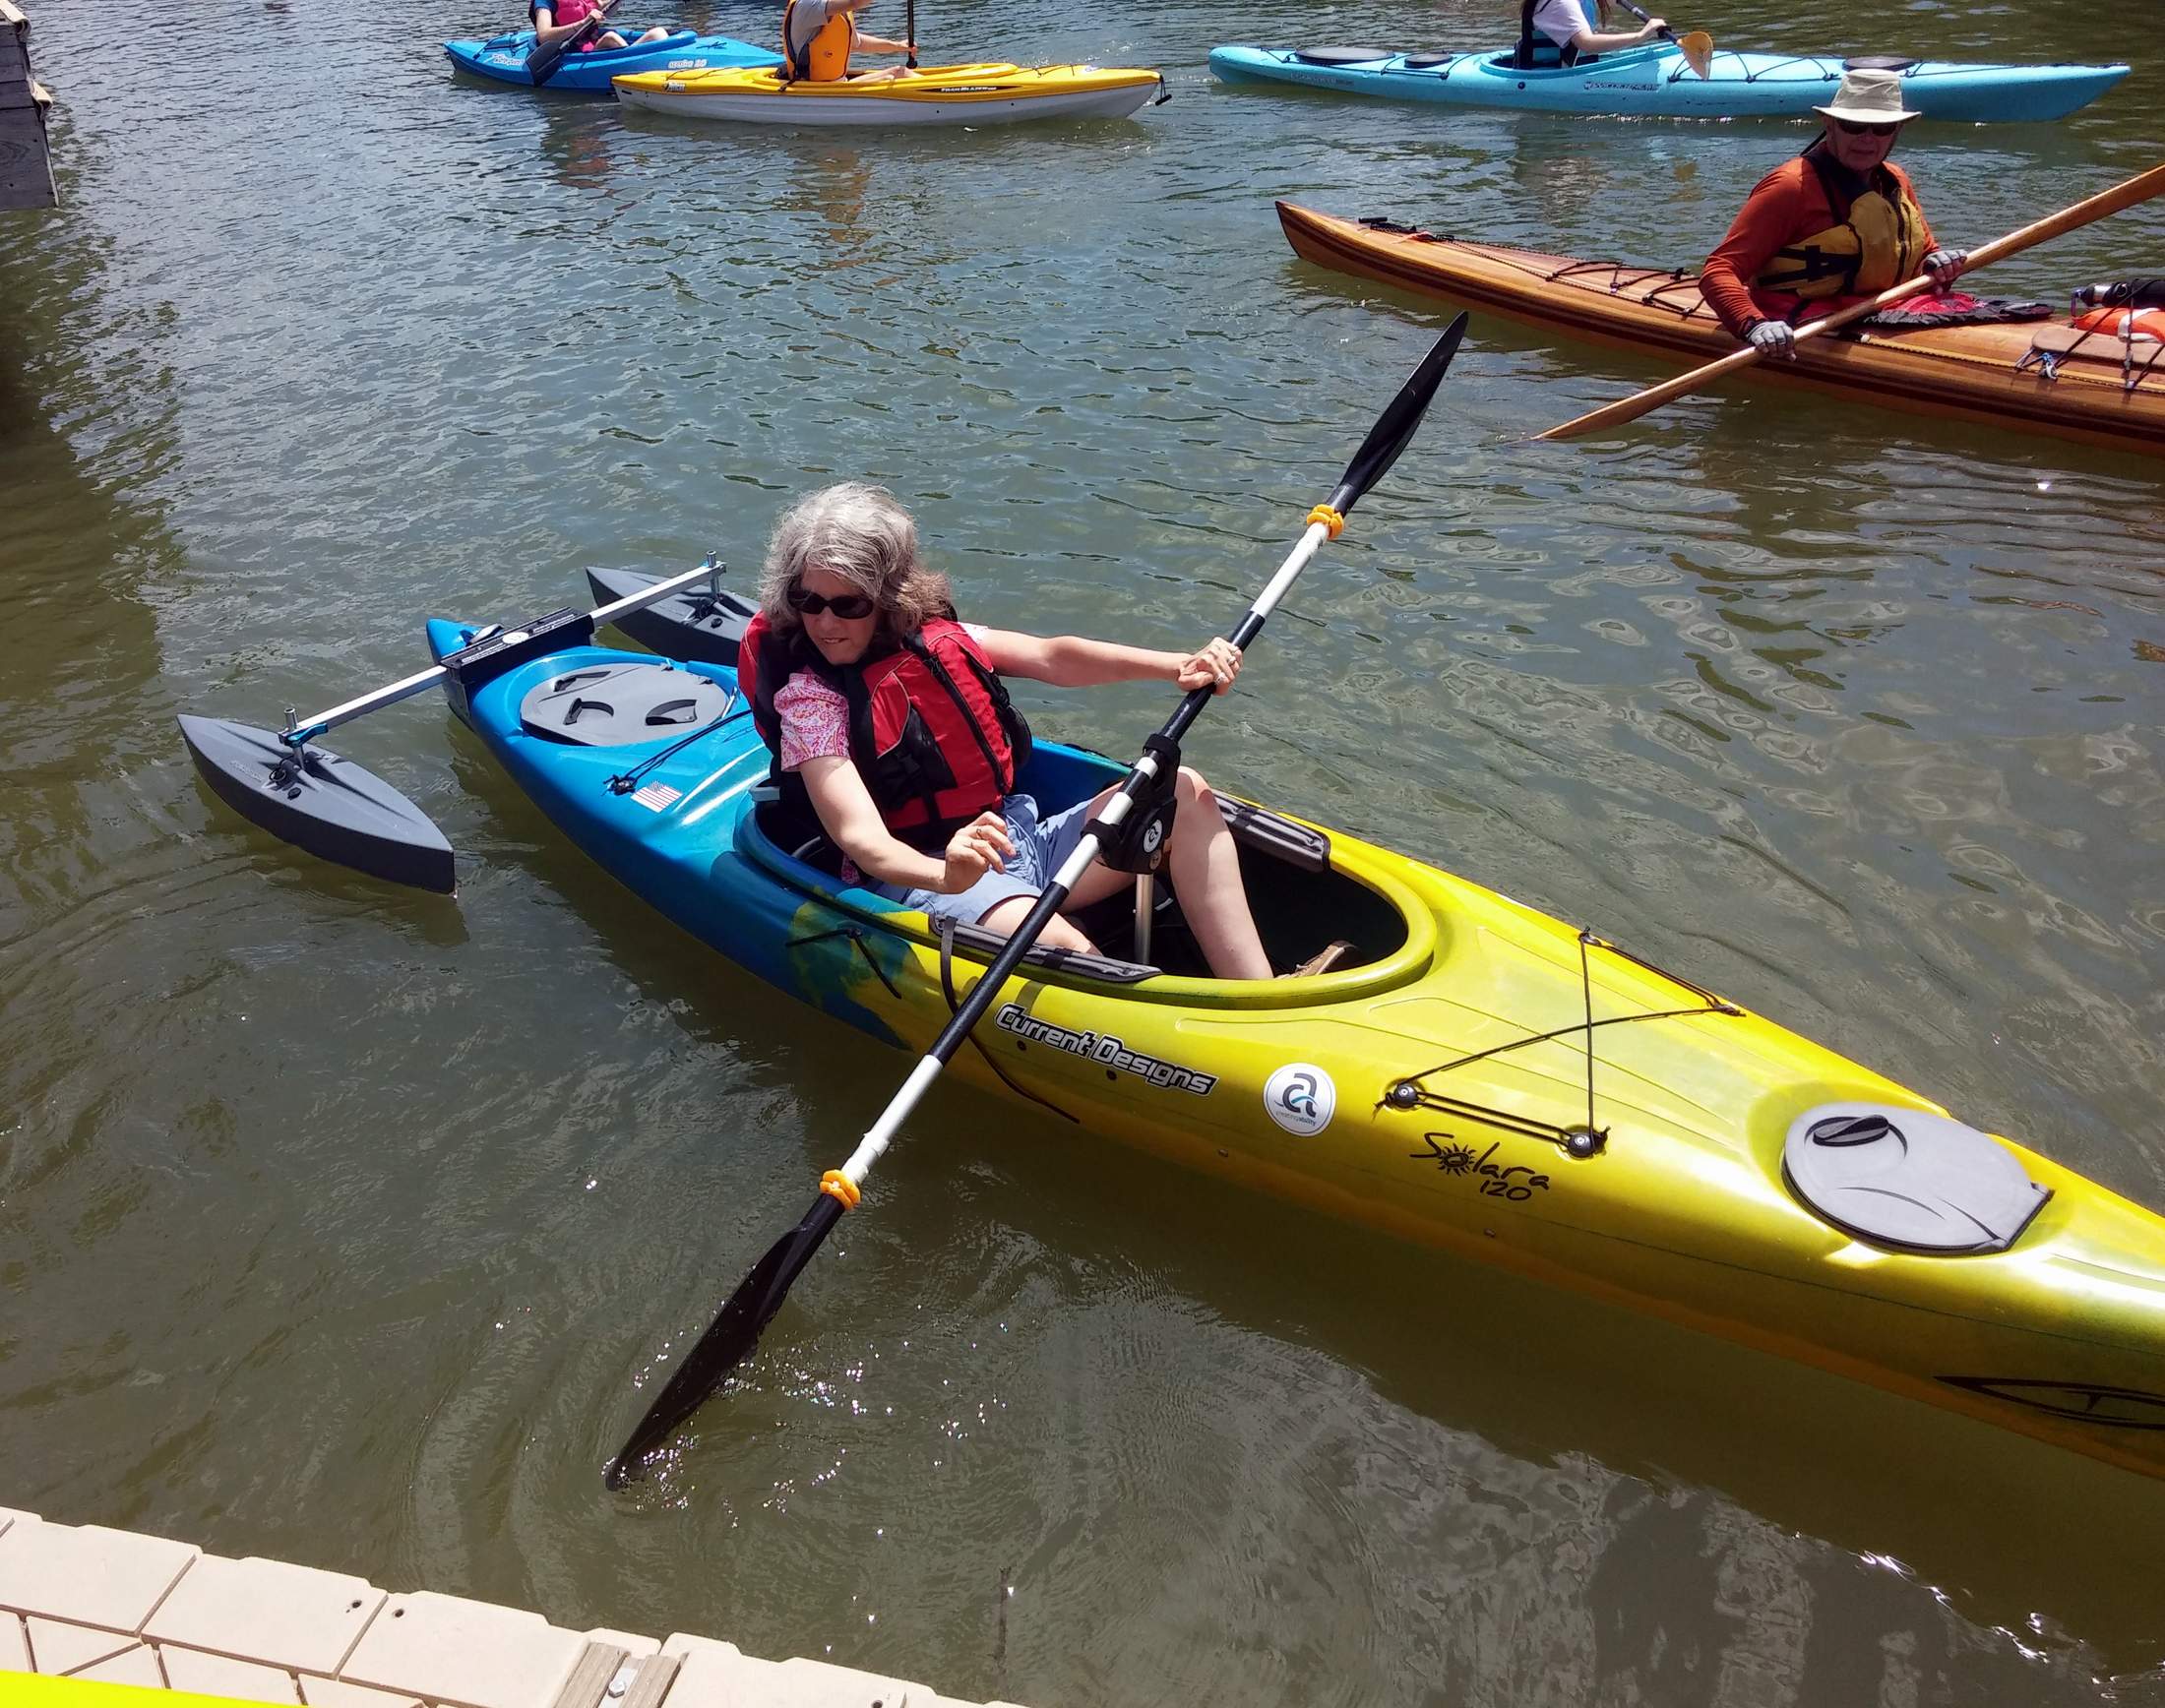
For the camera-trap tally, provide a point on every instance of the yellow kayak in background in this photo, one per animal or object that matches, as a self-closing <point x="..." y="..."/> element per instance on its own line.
<point x="936" y="95"/>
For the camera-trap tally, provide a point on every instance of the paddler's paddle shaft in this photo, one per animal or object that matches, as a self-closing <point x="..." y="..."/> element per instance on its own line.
<point x="544" y="58"/>
<point x="735" y="1332"/>
<point x="2113" y="200"/>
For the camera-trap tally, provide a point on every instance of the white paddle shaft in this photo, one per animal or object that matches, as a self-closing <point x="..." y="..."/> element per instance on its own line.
<point x="1112" y="815"/>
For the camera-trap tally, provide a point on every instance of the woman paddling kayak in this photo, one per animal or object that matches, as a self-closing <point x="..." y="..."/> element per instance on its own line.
<point x="818" y="37"/>
<point x="1566" y="24"/>
<point x="889" y="723"/>
<point x="555" y="19"/>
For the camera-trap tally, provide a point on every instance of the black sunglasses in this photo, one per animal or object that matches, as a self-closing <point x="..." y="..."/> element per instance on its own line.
<point x="1853" y="127"/>
<point x="847" y="606"/>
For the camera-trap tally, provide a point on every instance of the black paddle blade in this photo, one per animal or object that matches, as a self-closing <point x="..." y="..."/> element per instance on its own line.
<point x="729" y="1340"/>
<point x="317" y="801"/>
<point x="1395" y="427"/>
<point x="541" y="62"/>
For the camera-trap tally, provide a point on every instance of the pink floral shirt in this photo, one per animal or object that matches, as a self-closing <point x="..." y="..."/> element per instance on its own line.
<point x="815" y="719"/>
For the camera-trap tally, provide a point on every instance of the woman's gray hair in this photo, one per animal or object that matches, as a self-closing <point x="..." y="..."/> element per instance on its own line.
<point x="860" y="533"/>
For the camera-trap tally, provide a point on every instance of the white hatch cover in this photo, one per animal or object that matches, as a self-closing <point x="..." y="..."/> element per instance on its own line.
<point x="617" y="704"/>
<point x="1909" y="1179"/>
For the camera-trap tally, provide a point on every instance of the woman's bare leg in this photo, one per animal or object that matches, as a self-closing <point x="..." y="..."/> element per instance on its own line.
<point x="1005" y="917"/>
<point x="1204" y="862"/>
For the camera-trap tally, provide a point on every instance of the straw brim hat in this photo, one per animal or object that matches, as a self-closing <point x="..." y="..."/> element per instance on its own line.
<point x="1868" y="97"/>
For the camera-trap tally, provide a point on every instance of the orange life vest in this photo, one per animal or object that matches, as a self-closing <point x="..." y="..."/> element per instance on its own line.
<point x="825" y="57"/>
<point x="1876" y="242"/>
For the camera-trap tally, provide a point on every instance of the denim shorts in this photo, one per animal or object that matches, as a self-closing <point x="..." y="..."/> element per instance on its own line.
<point x="1040" y="847"/>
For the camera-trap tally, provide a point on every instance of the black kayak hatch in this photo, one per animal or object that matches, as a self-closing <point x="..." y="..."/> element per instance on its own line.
<point x="314" y="799"/>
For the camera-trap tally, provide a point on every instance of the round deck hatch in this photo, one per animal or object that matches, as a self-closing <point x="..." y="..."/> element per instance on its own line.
<point x="1908" y="1178"/>
<point x="617" y="704"/>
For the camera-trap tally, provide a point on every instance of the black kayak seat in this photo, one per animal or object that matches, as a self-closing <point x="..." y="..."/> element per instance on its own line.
<point x="1878" y="62"/>
<point x="1342" y="55"/>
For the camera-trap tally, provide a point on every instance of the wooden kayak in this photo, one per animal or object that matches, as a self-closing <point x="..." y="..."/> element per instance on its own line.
<point x="2042" y="375"/>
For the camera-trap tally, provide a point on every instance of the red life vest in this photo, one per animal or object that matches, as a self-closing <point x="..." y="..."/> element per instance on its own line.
<point x="931" y="729"/>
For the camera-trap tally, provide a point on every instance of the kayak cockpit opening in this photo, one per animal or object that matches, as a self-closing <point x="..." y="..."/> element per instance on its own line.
<point x="1303" y="906"/>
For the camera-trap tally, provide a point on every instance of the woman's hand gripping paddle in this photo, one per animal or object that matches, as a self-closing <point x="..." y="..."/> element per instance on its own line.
<point x="731" y="1336"/>
<point x="544" y="58"/>
<point x="2113" y="200"/>
<point x="1697" y="46"/>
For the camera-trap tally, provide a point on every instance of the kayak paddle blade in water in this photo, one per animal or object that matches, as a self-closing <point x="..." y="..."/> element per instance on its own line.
<point x="735" y="1330"/>
<point x="729" y="1339"/>
<point x="336" y="810"/>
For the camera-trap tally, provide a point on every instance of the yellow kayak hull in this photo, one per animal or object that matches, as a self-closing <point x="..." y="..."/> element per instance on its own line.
<point x="1682" y="1211"/>
<point x="1479" y="1077"/>
<point x="936" y="95"/>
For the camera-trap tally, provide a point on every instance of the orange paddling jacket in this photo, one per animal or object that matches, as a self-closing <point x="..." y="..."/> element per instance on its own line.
<point x="1792" y="204"/>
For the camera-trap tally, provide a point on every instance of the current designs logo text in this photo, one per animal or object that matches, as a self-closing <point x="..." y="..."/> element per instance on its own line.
<point x="1106" y="1051"/>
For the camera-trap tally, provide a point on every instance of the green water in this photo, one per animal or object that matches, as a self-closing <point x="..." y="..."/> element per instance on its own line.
<point x="335" y="1222"/>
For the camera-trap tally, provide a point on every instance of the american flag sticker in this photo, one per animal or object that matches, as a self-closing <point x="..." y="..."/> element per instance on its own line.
<point x="655" y="796"/>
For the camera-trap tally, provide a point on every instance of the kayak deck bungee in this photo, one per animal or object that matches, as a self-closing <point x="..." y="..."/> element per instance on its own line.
<point x="503" y="58"/>
<point x="1653" y="80"/>
<point x="2032" y="375"/>
<point x="1481" y="1077"/>
<point x="937" y="94"/>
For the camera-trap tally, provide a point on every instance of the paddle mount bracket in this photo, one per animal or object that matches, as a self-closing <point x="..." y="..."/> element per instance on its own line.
<point x="1138" y="842"/>
<point x="491" y="654"/>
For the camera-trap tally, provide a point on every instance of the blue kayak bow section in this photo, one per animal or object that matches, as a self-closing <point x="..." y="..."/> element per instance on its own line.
<point x="503" y="58"/>
<point x="1653" y="81"/>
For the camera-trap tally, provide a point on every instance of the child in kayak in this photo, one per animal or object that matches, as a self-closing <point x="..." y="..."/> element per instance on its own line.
<point x="889" y="719"/>
<point x="553" y="20"/>
<point x="818" y="37"/>
<point x="1836" y="223"/>
<point x="1567" y="23"/>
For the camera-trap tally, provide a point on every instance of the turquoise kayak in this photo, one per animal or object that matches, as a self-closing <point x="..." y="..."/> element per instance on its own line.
<point x="503" y="58"/>
<point x="1653" y="81"/>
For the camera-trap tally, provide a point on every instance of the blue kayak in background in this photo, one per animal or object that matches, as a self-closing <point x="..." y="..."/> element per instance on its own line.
<point x="1653" y="81"/>
<point x="503" y="58"/>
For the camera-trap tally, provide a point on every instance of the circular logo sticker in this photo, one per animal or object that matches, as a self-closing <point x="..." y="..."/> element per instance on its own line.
<point x="1300" y="1098"/>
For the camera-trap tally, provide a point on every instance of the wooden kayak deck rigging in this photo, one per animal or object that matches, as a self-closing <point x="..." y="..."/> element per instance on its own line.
<point x="2044" y="376"/>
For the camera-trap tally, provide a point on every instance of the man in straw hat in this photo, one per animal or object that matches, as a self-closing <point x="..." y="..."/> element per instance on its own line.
<point x="1836" y="223"/>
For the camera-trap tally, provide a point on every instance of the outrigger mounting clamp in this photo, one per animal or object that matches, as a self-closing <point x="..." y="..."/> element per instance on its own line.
<point x="705" y="602"/>
<point x="1138" y="842"/>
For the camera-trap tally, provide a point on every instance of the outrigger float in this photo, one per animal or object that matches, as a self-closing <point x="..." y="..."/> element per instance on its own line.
<point x="1478" y="1076"/>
